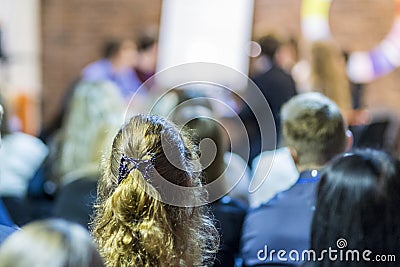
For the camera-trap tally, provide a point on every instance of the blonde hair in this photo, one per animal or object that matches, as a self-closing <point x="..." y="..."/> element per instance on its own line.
<point x="132" y="226"/>
<point x="54" y="242"/>
<point x="329" y="74"/>
<point x="313" y="125"/>
<point x="94" y="117"/>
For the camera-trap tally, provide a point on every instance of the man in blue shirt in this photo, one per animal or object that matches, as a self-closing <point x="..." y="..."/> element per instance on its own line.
<point x="277" y="232"/>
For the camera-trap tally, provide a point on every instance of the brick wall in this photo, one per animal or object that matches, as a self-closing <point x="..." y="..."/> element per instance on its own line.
<point x="73" y="30"/>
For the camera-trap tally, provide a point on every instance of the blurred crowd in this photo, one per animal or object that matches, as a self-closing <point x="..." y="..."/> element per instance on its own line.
<point x="86" y="191"/>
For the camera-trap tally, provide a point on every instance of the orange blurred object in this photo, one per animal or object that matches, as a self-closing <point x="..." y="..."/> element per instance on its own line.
<point x="26" y="110"/>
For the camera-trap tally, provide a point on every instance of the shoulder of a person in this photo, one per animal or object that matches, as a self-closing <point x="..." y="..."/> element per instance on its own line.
<point x="24" y="141"/>
<point x="235" y="160"/>
<point x="281" y="72"/>
<point x="232" y="203"/>
<point x="95" y="68"/>
<point x="6" y="231"/>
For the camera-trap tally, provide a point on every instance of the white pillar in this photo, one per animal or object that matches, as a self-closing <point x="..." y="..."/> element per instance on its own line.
<point x="20" y="21"/>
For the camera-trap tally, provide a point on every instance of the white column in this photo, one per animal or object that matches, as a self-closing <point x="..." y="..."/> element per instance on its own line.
<point x="20" y="21"/>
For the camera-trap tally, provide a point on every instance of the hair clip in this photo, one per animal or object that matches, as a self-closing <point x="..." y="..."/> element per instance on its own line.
<point x="128" y="164"/>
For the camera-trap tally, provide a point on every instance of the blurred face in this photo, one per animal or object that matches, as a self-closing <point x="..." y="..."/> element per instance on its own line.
<point x="147" y="60"/>
<point x="127" y="56"/>
<point x="285" y="57"/>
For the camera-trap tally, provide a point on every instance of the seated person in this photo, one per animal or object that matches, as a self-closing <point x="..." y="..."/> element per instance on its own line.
<point x="273" y="171"/>
<point x="21" y="155"/>
<point x="140" y="220"/>
<point x="220" y="174"/>
<point x="54" y="242"/>
<point x="314" y="130"/>
<point x="5" y="232"/>
<point x="147" y="48"/>
<point x="357" y="210"/>
<point x="195" y="110"/>
<point x="119" y="58"/>
<point x="5" y="218"/>
<point x="6" y="224"/>
<point x="94" y="117"/>
<point x="276" y="85"/>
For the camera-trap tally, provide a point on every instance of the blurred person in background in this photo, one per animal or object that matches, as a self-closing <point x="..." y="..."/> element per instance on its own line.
<point x="229" y="210"/>
<point x="117" y="65"/>
<point x="55" y="243"/>
<point x="146" y="62"/>
<point x="314" y="131"/>
<point x="274" y="171"/>
<point x="21" y="156"/>
<point x="194" y="111"/>
<point x="276" y="85"/>
<point x="328" y="76"/>
<point x="95" y="115"/>
<point x="6" y="224"/>
<point x="357" y="203"/>
<point x="287" y="55"/>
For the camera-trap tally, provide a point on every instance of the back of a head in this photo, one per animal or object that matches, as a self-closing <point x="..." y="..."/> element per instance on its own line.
<point x="54" y="242"/>
<point x="95" y="115"/>
<point x="133" y="226"/>
<point x="145" y="41"/>
<point x="208" y="134"/>
<point x="269" y="45"/>
<point x="111" y="48"/>
<point x="329" y="73"/>
<point x="358" y="200"/>
<point x="194" y="110"/>
<point x="313" y="125"/>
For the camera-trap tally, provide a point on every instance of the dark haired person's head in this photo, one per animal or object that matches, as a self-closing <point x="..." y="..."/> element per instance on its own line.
<point x="269" y="45"/>
<point x="147" y="46"/>
<point x="314" y="129"/>
<point x="208" y="133"/>
<point x="133" y="225"/>
<point x="194" y="110"/>
<point x="358" y="200"/>
<point x="111" y="48"/>
<point x="146" y="41"/>
<point x="121" y="52"/>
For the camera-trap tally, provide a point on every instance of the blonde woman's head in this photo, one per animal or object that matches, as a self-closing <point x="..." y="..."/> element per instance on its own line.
<point x="54" y="242"/>
<point x="132" y="225"/>
<point x="95" y="114"/>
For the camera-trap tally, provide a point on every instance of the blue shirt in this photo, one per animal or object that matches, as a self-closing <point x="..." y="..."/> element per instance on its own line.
<point x="283" y="223"/>
<point x="101" y="70"/>
<point x="7" y="227"/>
<point x="4" y="216"/>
